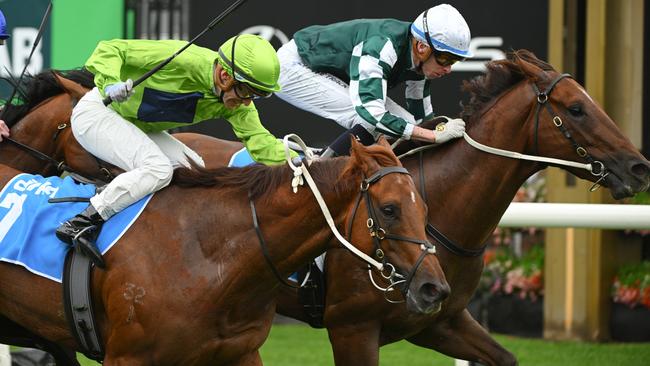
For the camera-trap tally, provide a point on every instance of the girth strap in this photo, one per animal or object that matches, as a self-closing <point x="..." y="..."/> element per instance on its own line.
<point x="78" y="304"/>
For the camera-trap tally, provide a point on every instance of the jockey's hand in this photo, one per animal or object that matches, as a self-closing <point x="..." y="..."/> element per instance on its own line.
<point x="453" y="129"/>
<point x="4" y="130"/>
<point x="120" y="92"/>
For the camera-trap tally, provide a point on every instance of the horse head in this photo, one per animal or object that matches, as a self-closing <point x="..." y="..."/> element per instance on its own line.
<point x="561" y="121"/>
<point x="396" y="217"/>
<point x="41" y="123"/>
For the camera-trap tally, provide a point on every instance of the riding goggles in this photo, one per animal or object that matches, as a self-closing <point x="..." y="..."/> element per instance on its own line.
<point x="245" y="91"/>
<point x="445" y="59"/>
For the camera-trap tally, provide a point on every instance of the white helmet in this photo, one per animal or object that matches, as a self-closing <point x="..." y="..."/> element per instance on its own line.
<point x="445" y="30"/>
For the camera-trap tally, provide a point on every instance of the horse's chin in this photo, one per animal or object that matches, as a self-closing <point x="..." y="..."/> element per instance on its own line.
<point x="425" y="304"/>
<point x="620" y="189"/>
<point x="422" y="307"/>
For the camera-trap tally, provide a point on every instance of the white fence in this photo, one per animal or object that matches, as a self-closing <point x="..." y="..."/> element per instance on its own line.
<point x="599" y="216"/>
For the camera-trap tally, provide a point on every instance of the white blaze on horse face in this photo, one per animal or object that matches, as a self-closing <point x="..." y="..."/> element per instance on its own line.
<point x="413" y="196"/>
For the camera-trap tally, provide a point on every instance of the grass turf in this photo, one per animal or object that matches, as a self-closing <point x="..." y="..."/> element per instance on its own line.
<point x="298" y="345"/>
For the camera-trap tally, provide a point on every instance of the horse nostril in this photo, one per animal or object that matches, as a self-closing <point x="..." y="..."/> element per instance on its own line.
<point x="640" y="169"/>
<point x="434" y="293"/>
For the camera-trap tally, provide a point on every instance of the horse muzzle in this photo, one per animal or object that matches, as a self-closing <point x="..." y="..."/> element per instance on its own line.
<point x="629" y="179"/>
<point x="426" y="297"/>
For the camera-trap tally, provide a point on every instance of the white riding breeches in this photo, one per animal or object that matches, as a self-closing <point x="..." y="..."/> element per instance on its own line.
<point x="323" y="94"/>
<point x="147" y="159"/>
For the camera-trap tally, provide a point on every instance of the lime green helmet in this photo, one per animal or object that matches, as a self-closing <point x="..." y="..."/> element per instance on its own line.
<point x="256" y="62"/>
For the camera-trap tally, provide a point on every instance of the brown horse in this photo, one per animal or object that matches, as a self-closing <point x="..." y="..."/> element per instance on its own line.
<point x="205" y="292"/>
<point x="470" y="190"/>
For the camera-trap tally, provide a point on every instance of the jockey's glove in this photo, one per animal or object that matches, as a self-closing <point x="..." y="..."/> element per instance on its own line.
<point x="453" y="129"/>
<point x="120" y="92"/>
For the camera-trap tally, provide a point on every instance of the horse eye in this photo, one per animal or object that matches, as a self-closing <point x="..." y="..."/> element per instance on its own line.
<point x="576" y="110"/>
<point x="389" y="211"/>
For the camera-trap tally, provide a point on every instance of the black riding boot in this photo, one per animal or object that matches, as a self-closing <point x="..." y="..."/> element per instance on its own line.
<point x="341" y="146"/>
<point x="81" y="232"/>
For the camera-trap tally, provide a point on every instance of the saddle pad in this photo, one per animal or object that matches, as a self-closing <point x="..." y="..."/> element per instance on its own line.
<point x="28" y="222"/>
<point x="241" y="159"/>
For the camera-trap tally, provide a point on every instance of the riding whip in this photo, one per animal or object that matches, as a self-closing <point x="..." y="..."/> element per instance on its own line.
<point x="214" y="22"/>
<point x="36" y="41"/>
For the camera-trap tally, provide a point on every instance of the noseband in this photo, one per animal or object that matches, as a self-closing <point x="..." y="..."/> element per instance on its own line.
<point x="378" y="234"/>
<point x="597" y="167"/>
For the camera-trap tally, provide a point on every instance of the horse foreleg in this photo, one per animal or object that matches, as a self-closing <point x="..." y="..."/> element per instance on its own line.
<point x="288" y="304"/>
<point x="355" y="344"/>
<point x="463" y="337"/>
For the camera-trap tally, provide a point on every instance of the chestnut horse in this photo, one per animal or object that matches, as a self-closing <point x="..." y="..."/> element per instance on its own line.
<point x="468" y="191"/>
<point x="205" y="289"/>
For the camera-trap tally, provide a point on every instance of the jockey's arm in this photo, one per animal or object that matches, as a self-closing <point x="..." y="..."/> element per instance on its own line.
<point x="368" y="89"/>
<point x="260" y="143"/>
<point x="106" y="62"/>
<point x="370" y="67"/>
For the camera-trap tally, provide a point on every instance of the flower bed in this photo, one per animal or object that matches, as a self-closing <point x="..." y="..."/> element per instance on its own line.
<point x="515" y="303"/>
<point x="630" y="316"/>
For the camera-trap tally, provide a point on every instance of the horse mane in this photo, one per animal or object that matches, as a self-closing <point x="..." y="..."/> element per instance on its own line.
<point x="500" y="76"/>
<point x="260" y="181"/>
<point x="34" y="89"/>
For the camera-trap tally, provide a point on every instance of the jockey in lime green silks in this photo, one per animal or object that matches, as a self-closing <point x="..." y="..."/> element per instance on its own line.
<point x="197" y="85"/>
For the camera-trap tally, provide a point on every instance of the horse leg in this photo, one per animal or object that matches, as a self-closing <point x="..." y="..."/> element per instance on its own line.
<point x="355" y="344"/>
<point x="288" y="304"/>
<point x="464" y="338"/>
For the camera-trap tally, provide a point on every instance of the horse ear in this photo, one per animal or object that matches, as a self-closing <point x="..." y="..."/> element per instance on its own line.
<point x="355" y="146"/>
<point x="383" y="142"/>
<point x="532" y="70"/>
<point x="70" y="87"/>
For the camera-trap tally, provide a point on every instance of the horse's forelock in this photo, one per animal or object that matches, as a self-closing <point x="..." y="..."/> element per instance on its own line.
<point x="384" y="156"/>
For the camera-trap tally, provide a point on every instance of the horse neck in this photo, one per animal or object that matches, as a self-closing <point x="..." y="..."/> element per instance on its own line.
<point x="38" y="130"/>
<point x="468" y="190"/>
<point x="292" y="224"/>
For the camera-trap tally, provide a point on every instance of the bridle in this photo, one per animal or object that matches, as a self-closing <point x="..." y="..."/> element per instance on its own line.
<point x="378" y="234"/>
<point x="378" y="260"/>
<point x="387" y="271"/>
<point x="595" y="167"/>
